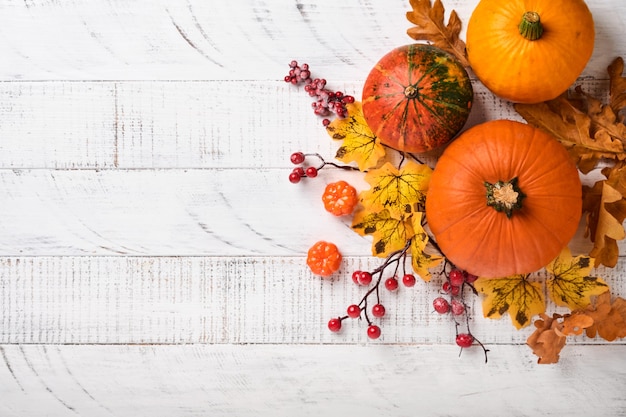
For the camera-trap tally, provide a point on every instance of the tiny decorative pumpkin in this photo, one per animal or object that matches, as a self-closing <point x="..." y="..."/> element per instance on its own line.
<point x="417" y="98"/>
<point x="504" y="198"/>
<point x="529" y="51"/>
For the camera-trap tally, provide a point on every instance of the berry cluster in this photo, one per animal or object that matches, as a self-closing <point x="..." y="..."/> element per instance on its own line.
<point x="326" y="102"/>
<point x="452" y="302"/>
<point x="310" y="171"/>
<point x="365" y="278"/>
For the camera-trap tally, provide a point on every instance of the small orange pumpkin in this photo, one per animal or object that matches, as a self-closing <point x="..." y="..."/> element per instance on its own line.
<point x="529" y="51"/>
<point x="504" y="198"/>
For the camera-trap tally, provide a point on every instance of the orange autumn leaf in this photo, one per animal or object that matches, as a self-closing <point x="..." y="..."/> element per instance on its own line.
<point x="518" y="296"/>
<point x="576" y="323"/>
<point x="396" y="190"/>
<point x="359" y="144"/>
<point x="430" y="26"/>
<point x="609" y="318"/>
<point x="547" y="340"/>
<point x="389" y="233"/>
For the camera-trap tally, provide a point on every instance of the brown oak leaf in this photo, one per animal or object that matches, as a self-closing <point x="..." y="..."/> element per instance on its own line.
<point x="617" y="87"/>
<point x="576" y="323"/>
<point x="605" y="208"/>
<point x="575" y="129"/>
<point x="547" y="340"/>
<point x="430" y="26"/>
<point x="609" y="318"/>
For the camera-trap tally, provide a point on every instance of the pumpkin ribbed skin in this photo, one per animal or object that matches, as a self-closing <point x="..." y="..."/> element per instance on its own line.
<point x="483" y="241"/>
<point x="529" y="71"/>
<point x="417" y="98"/>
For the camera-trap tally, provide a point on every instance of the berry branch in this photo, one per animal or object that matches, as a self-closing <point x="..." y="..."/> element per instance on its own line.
<point x="327" y="102"/>
<point x="311" y="171"/>
<point x="364" y="278"/>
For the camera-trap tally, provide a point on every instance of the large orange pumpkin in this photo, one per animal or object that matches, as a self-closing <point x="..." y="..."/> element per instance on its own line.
<point x="529" y="51"/>
<point x="417" y="98"/>
<point x="505" y="198"/>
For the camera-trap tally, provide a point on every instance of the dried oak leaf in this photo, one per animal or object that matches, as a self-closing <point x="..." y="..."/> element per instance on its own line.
<point x="589" y="129"/>
<point x="430" y="26"/>
<point x="359" y="144"/>
<point x="547" y="340"/>
<point x="422" y="261"/>
<point x="569" y="283"/>
<point x="389" y="233"/>
<point x="605" y="208"/>
<point x="609" y="318"/>
<point x="576" y="323"/>
<point x="396" y="190"/>
<point x="518" y="296"/>
<point x="617" y="86"/>
<point x="575" y="130"/>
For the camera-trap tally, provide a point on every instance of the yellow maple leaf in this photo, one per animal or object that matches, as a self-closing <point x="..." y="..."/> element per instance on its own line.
<point x="422" y="261"/>
<point x="430" y="26"/>
<point x="359" y="145"/>
<point x="570" y="284"/>
<point x="389" y="233"/>
<point x="518" y="296"/>
<point x="396" y="190"/>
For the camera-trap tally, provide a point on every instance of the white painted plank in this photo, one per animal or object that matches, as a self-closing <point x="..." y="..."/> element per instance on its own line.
<point x="168" y="300"/>
<point x="218" y="212"/>
<point x="166" y="212"/>
<point x="245" y="39"/>
<point x="208" y="124"/>
<point x="270" y="380"/>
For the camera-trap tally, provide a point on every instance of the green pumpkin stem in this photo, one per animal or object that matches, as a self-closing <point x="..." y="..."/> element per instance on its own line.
<point x="530" y="27"/>
<point x="504" y="196"/>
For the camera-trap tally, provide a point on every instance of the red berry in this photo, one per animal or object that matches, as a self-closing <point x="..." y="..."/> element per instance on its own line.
<point x="446" y="287"/>
<point x="441" y="305"/>
<point x="334" y="325"/>
<point x="373" y="331"/>
<point x="454" y="290"/>
<point x="355" y="277"/>
<point x="464" y="340"/>
<point x="297" y="158"/>
<point x="408" y="280"/>
<point x="456" y="278"/>
<point x="311" y="172"/>
<point x="325" y="122"/>
<point x="378" y="310"/>
<point x="470" y="278"/>
<point x="294" y="177"/>
<point x="391" y="284"/>
<point x="457" y="308"/>
<point x="365" y="278"/>
<point x="354" y="311"/>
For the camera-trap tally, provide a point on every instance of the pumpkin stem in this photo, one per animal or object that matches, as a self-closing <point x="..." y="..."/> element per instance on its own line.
<point x="504" y="196"/>
<point x="530" y="27"/>
<point x="411" y="92"/>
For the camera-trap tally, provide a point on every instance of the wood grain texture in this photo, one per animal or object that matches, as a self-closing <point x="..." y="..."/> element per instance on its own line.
<point x="241" y="40"/>
<point x="223" y="300"/>
<point x="152" y="249"/>
<point x="278" y="380"/>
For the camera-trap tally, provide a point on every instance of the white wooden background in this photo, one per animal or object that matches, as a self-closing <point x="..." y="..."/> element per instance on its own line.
<point x="152" y="249"/>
